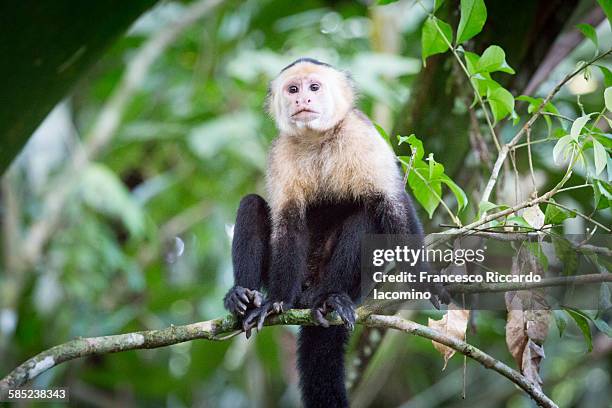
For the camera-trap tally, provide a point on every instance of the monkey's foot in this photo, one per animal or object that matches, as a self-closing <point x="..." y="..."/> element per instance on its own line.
<point x="339" y="303"/>
<point x="238" y="300"/>
<point x="255" y="318"/>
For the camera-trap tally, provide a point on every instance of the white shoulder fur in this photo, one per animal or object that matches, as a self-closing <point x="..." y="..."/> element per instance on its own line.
<point x="351" y="162"/>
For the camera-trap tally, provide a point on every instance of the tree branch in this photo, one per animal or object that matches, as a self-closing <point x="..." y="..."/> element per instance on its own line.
<point x="227" y="327"/>
<point x="508" y="146"/>
<point x="214" y="329"/>
<point x="545" y="282"/>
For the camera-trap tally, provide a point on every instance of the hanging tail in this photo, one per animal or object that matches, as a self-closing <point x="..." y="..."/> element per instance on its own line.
<point x="321" y="366"/>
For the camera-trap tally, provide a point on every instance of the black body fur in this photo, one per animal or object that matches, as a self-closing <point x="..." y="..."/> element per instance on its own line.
<point x="314" y="263"/>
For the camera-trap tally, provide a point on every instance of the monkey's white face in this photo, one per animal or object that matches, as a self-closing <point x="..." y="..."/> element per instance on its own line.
<point x="309" y="97"/>
<point x="307" y="101"/>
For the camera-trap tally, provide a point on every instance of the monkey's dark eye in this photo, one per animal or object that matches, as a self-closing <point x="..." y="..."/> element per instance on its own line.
<point x="315" y="87"/>
<point x="293" y="89"/>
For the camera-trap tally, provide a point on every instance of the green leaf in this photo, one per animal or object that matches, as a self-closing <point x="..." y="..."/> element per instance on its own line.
<point x="556" y="215"/>
<point x="424" y="192"/>
<point x="517" y="221"/>
<point x="561" y="149"/>
<point x="436" y="170"/>
<point x="384" y="2"/>
<point x="607" y="74"/>
<point x="605" y="299"/>
<point x="608" y="98"/>
<point x="582" y="321"/>
<point x="534" y="103"/>
<point x="485" y="206"/>
<point x="600" y="157"/>
<point x="535" y="248"/>
<point x="460" y="195"/>
<point x="606" y="5"/>
<point x="403" y="139"/>
<point x="432" y="41"/>
<point x="603" y="327"/>
<point x="589" y="32"/>
<point x="566" y="254"/>
<point x="494" y="59"/>
<point x="418" y="145"/>
<point x="437" y="5"/>
<point x="604" y="188"/>
<point x="578" y="125"/>
<point x="560" y="320"/>
<point x="473" y="17"/>
<point x="485" y="85"/>
<point x="501" y="102"/>
<point x="601" y="195"/>
<point x="471" y="62"/>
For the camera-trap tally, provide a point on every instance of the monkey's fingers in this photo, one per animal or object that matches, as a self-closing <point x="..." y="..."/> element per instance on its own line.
<point x="235" y="305"/>
<point x="268" y="310"/>
<point x="434" y="301"/>
<point x="343" y="305"/>
<point x="255" y="297"/>
<point x="262" y="319"/>
<point x="278" y="307"/>
<point x="347" y="314"/>
<point x="237" y="301"/>
<point x="243" y="296"/>
<point x="318" y="317"/>
<point x="250" y="319"/>
<point x="241" y="305"/>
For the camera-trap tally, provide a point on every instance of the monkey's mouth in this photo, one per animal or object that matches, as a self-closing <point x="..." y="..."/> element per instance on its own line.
<point x="304" y="113"/>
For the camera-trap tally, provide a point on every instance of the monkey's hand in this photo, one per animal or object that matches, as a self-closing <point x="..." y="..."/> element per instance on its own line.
<point x="340" y="303"/>
<point x="238" y="300"/>
<point x="255" y="318"/>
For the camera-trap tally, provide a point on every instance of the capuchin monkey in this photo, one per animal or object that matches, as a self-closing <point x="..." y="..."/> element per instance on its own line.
<point x="331" y="179"/>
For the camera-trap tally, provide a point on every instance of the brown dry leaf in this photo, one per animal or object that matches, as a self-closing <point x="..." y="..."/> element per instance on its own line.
<point x="527" y="324"/>
<point x="515" y="334"/>
<point x="454" y="324"/>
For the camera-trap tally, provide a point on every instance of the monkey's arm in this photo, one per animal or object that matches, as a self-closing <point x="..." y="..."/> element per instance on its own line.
<point x="250" y="255"/>
<point x="401" y="218"/>
<point x="339" y="286"/>
<point x="342" y="274"/>
<point x="289" y="248"/>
